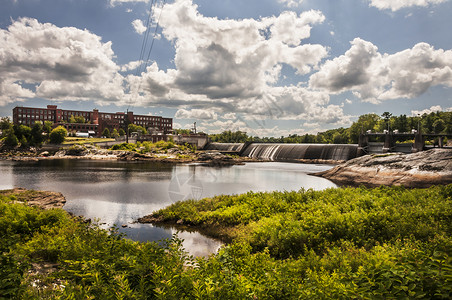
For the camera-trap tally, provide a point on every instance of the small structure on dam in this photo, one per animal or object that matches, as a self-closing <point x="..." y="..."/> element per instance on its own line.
<point x="391" y="139"/>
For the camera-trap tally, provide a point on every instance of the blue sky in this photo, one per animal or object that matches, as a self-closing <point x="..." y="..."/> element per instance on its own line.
<point x="267" y="67"/>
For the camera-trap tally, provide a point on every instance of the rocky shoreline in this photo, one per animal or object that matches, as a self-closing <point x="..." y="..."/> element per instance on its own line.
<point x="210" y="158"/>
<point x="416" y="170"/>
<point x="41" y="199"/>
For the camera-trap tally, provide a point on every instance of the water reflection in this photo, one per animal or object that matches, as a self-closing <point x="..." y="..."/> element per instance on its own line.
<point x="120" y="192"/>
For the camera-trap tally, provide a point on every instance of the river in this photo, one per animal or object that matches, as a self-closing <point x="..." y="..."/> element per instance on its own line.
<point x="116" y="192"/>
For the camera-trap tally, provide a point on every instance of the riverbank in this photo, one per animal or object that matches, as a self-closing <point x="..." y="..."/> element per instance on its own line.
<point x="172" y="155"/>
<point x="40" y="199"/>
<point x="343" y="243"/>
<point x="388" y="243"/>
<point x="422" y="169"/>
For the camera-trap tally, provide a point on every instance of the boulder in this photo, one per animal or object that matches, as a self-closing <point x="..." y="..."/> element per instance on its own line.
<point x="421" y="169"/>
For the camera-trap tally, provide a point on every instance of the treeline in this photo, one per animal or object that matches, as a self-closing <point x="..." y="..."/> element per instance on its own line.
<point x="14" y="135"/>
<point x="435" y="122"/>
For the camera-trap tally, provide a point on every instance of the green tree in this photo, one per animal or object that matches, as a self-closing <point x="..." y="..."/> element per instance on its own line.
<point x="121" y="132"/>
<point x="230" y="137"/>
<point x="387" y="116"/>
<point x="72" y="119"/>
<point x="11" y="140"/>
<point x="5" y="125"/>
<point x="58" y="135"/>
<point x="80" y="119"/>
<point x="23" y="142"/>
<point x="115" y="133"/>
<point x="401" y="123"/>
<point x="137" y="128"/>
<point x="36" y="134"/>
<point x="364" y="123"/>
<point x="47" y="127"/>
<point x="439" y="125"/>
<point x="106" y="133"/>
<point x="338" y="139"/>
<point x="23" y="134"/>
<point x="181" y="131"/>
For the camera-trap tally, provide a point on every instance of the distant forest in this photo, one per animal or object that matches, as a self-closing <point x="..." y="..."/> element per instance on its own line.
<point x="435" y="122"/>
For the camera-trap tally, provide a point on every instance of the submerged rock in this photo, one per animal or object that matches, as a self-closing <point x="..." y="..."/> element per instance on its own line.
<point x="421" y="169"/>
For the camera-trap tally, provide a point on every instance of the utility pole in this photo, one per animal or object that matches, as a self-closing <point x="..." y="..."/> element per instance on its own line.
<point x="194" y="127"/>
<point x="126" y="122"/>
<point x="418" y="122"/>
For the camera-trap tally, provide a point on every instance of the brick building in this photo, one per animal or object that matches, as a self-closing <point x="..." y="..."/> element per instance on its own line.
<point x="95" y="121"/>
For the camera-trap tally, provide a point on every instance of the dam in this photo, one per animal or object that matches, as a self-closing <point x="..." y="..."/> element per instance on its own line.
<point x="288" y="152"/>
<point x="367" y="144"/>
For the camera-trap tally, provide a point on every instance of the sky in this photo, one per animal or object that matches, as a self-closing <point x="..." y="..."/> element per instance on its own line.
<point x="266" y="67"/>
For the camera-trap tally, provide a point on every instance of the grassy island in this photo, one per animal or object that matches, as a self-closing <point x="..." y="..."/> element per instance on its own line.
<point x="348" y="243"/>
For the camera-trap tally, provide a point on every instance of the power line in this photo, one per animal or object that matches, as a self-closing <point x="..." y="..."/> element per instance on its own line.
<point x="144" y="63"/>
<point x="145" y="38"/>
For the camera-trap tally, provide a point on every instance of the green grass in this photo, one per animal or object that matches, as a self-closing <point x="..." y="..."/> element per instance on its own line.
<point x="383" y="243"/>
<point x="81" y="140"/>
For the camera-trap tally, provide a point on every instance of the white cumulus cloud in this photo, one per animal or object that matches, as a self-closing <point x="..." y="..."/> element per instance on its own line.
<point x="426" y="111"/>
<point x="375" y="77"/>
<point x="139" y="26"/>
<point x="200" y="114"/>
<point x="43" y="60"/>
<point x="291" y="3"/>
<point x="395" y="5"/>
<point x="234" y="65"/>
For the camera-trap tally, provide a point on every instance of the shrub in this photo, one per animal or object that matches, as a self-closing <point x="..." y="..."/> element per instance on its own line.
<point x="58" y="135"/>
<point x="106" y="133"/>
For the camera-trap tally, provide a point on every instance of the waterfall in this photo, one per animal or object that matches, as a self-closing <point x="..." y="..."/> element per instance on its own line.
<point x="294" y="152"/>
<point x="225" y="147"/>
<point x="288" y="152"/>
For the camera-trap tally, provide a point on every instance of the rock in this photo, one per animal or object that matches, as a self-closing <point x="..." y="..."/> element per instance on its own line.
<point x="44" y="153"/>
<point x="421" y="169"/>
<point x="124" y="225"/>
<point x="42" y="199"/>
<point x="60" y="153"/>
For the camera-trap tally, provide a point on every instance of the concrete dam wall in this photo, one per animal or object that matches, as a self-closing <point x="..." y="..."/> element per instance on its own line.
<point x="288" y="152"/>
<point x="225" y="147"/>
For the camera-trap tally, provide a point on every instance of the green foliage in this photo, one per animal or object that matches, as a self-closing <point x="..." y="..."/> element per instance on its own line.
<point x="80" y="119"/>
<point x="5" y="125"/>
<point x="121" y="132"/>
<point x="181" y="131"/>
<point x="115" y="133"/>
<point x="47" y="127"/>
<point x="36" y="134"/>
<point x="286" y="222"/>
<point x="437" y="122"/>
<point x="124" y="146"/>
<point x="230" y="137"/>
<point x="364" y="123"/>
<point x="106" y="133"/>
<point x="146" y="147"/>
<point x="58" y="135"/>
<point x="137" y="128"/>
<point x="383" y="243"/>
<point x="11" y="139"/>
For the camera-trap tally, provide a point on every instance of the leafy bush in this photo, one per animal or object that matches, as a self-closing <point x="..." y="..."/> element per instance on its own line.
<point x="58" y="135"/>
<point x="287" y="223"/>
<point x="124" y="146"/>
<point x="335" y="244"/>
